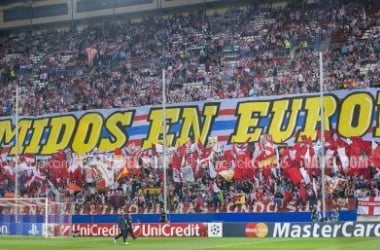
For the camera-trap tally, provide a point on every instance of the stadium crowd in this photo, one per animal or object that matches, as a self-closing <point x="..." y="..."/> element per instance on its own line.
<point x="242" y="52"/>
<point x="237" y="53"/>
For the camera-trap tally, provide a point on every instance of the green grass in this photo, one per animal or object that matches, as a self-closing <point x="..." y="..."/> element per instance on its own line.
<point x="95" y="243"/>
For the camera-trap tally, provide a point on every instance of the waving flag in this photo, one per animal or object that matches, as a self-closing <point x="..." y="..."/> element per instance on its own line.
<point x="375" y="155"/>
<point x="176" y="167"/>
<point x="242" y="162"/>
<point x="294" y="174"/>
<point x="4" y="151"/>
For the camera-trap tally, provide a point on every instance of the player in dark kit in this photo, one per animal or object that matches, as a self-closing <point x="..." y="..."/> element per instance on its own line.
<point x="128" y="222"/>
<point x="125" y="225"/>
<point x="123" y="229"/>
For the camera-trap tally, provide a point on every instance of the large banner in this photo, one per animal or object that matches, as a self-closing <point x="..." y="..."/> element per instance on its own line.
<point x="286" y="119"/>
<point x="232" y="139"/>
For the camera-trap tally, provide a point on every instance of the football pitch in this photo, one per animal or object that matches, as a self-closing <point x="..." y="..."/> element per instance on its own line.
<point x="95" y="243"/>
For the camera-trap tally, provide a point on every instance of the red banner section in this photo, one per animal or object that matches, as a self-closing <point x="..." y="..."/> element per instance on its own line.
<point x="189" y="207"/>
<point x="84" y="229"/>
<point x="228" y="207"/>
<point x="141" y="230"/>
<point x="171" y="230"/>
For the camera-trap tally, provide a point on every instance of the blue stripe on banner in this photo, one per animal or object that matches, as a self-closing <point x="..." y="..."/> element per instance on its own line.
<point x="140" y="130"/>
<point x="264" y="121"/>
<point x="300" y="121"/>
<point x="175" y="128"/>
<point x="105" y="133"/>
<point x="28" y="137"/>
<point x="224" y="125"/>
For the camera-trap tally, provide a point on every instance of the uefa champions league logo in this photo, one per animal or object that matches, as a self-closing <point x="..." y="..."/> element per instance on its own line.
<point x="33" y="230"/>
<point x="215" y="230"/>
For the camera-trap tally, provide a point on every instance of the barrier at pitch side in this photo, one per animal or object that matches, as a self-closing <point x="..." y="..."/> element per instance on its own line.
<point x="196" y="225"/>
<point x="253" y="229"/>
<point x="20" y="228"/>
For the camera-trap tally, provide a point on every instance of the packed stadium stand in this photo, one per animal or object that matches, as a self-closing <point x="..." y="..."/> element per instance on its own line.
<point x="245" y="49"/>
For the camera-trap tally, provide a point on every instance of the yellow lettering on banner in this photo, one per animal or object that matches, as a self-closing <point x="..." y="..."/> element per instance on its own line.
<point x="312" y="115"/>
<point x="88" y="133"/>
<point x="155" y="134"/>
<point x="61" y="130"/>
<point x="281" y="112"/>
<point x="23" y="126"/>
<point x="114" y="125"/>
<point x="247" y="123"/>
<point x="191" y="123"/>
<point x="355" y="115"/>
<point x="6" y="132"/>
<point x="377" y="130"/>
<point x="38" y="128"/>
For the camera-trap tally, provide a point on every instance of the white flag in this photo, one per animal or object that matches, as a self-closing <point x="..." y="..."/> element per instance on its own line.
<point x="305" y="176"/>
<point x="211" y="168"/>
<point x="187" y="174"/>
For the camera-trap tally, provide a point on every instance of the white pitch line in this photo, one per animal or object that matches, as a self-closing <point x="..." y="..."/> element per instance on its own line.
<point x="241" y="244"/>
<point x="225" y="245"/>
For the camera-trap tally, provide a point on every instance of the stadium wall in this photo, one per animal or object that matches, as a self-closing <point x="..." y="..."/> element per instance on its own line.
<point x="349" y="215"/>
<point x="260" y="225"/>
<point x="214" y="217"/>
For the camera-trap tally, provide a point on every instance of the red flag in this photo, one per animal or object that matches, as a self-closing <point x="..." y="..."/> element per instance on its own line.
<point x="63" y="166"/>
<point x="176" y="167"/>
<point x="294" y="174"/>
<point x="74" y="187"/>
<point x="118" y="152"/>
<point x="176" y="161"/>
<point x="242" y="166"/>
<point x="57" y="167"/>
<point x="375" y="155"/>
<point x="359" y="147"/>
<point x="76" y="175"/>
<point x="303" y="193"/>
<point x="326" y="133"/>
<point x="200" y="145"/>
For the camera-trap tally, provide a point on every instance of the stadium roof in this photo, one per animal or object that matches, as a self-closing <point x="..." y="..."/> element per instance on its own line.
<point x="7" y="2"/>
